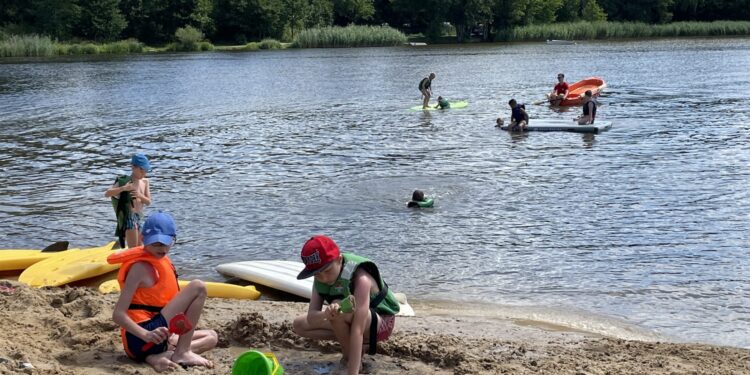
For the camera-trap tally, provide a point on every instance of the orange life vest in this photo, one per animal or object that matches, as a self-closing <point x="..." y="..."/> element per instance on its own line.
<point x="147" y="302"/>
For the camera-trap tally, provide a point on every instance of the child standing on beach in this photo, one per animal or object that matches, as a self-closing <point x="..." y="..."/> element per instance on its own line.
<point x="337" y="276"/>
<point x="150" y="297"/>
<point x="130" y="194"/>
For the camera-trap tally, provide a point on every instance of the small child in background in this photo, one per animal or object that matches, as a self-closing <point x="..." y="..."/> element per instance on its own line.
<point x="442" y="103"/>
<point x="418" y="200"/>
<point x="130" y="194"/>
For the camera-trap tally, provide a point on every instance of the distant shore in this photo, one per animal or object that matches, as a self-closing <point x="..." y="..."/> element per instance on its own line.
<point x="70" y="331"/>
<point x="368" y="36"/>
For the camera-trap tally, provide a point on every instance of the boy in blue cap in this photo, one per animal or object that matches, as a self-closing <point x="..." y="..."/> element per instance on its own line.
<point x="150" y="297"/>
<point x="130" y="194"/>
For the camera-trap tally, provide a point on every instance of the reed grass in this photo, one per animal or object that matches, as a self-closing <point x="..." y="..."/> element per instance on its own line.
<point x="270" y="44"/>
<point x="41" y="46"/>
<point x="349" y="36"/>
<point x="622" y="30"/>
<point x="27" y="46"/>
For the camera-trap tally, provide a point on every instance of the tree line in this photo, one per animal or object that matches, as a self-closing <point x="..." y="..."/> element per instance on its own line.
<point x="238" y="21"/>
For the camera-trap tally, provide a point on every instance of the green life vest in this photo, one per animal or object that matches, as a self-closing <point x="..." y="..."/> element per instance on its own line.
<point x="443" y="104"/>
<point x="427" y="203"/>
<point x="121" y="205"/>
<point x="343" y="287"/>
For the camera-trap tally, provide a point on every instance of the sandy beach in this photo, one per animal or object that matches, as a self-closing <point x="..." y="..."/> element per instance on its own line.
<point x="69" y="331"/>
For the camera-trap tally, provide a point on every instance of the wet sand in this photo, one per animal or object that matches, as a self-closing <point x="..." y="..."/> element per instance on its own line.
<point x="70" y="331"/>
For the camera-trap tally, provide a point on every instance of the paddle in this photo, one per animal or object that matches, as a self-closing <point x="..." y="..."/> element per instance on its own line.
<point x="55" y="247"/>
<point x="179" y="324"/>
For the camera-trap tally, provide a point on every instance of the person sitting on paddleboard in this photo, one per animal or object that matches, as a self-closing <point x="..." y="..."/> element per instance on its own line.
<point x="150" y="297"/>
<point x="559" y="92"/>
<point x="518" y="116"/>
<point x="130" y="194"/>
<point x="589" y="109"/>
<point x="442" y="103"/>
<point x="425" y="87"/>
<point x="337" y="276"/>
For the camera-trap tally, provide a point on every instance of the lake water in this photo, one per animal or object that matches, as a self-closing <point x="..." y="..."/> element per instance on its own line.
<point x="642" y="227"/>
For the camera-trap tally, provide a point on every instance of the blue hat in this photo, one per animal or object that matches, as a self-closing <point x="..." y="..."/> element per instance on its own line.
<point x="140" y="161"/>
<point x="159" y="227"/>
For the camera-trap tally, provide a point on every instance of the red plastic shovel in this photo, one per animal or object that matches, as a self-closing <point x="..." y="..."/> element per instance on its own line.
<point x="179" y="324"/>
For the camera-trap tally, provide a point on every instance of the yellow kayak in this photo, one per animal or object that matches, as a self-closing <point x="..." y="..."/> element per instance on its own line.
<point x="17" y="260"/>
<point x="215" y="290"/>
<point x="69" y="266"/>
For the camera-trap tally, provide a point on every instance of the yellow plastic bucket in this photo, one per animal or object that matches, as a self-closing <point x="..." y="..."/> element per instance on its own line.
<point x="253" y="362"/>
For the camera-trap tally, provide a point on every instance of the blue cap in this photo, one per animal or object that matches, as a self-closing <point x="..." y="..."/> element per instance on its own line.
<point x="159" y="227"/>
<point x="140" y="161"/>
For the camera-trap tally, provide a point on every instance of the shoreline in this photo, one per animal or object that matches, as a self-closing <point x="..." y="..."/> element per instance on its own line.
<point x="69" y="330"/>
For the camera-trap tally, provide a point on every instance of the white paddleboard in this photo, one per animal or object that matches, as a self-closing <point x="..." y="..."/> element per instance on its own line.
<point x="282" y="275"/>
<point x="549" y="125"/>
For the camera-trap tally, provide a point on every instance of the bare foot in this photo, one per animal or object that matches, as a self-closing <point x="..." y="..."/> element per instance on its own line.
<point x="161" y="362"/>
<point x="188" y="359"/>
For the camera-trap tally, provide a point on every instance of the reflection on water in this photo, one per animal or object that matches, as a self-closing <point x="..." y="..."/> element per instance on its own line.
<point x="254" y="152"/>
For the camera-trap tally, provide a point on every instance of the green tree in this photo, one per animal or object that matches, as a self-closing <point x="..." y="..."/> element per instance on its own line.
<point x="352" y="11"/>
<point x="321" y="13"/>
<point x="465" y="14"/>
<point x="144" y="19"/>
<point x="202" y="16"/>
<point x="593" y="12"/>
<point x="649" y="11"/>
<point x="295" y="12"/>
<point x="100" y="20"/>
<point x="570" y="11"/>
<point x="55" y="18"/>
<point x="241" y="20"/>
<point x="423" y="16"/>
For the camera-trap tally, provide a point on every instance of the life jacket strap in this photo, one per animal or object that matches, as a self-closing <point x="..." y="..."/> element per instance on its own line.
<point x="373" y="347"/>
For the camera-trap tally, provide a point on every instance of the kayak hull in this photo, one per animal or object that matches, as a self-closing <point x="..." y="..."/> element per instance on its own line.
<point x="578" y="89"/>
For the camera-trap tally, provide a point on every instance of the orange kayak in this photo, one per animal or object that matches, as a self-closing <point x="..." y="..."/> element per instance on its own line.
<point x="575" y="94"/>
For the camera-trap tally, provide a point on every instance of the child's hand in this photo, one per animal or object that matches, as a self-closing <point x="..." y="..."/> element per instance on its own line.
<point x="157" y="336"/>
<point x="332" y="311"/>
<point x="128" y="187"/>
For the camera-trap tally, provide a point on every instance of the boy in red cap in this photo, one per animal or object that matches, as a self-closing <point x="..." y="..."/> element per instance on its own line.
<point x="336" y="277"/>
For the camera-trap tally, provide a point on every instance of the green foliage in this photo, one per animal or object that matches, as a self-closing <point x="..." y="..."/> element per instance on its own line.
<point x="270" y="44"/>
<point x="350" y="36"/>
<point x="253" y="19"/>
<point x="100" y="20"/>
<point x="27" y="45"/>
<point x="617" y="30"/>
<point x="122" y="47"/>
<point x="321" y="14"/>
<point x="189" y="39"/>
<point x="240" y="21"/>
<point x="55" y="18"/>
<point x="593" y="12"/>
<point x="352" y="11"/>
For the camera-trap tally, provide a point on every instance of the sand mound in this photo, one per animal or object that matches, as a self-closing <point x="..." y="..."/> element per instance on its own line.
<point x="70" y="331"/>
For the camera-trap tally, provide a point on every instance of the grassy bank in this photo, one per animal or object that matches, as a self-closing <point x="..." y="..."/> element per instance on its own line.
<point x="350" y="36"/>
<point x="41" y="46"/>
<point x="622" y="30"/>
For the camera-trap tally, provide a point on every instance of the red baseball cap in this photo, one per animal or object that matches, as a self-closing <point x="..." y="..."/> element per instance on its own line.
<point x="317" y="254"/>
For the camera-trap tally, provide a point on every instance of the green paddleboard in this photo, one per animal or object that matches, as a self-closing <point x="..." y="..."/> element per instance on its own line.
<point x="454" y="105"/>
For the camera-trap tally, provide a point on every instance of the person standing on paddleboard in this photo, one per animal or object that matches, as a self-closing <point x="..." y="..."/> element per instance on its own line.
<point x="425" y="87"/>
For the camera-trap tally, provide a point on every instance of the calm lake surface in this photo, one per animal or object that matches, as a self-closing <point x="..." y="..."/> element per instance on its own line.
<point x="643" y="226"/>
